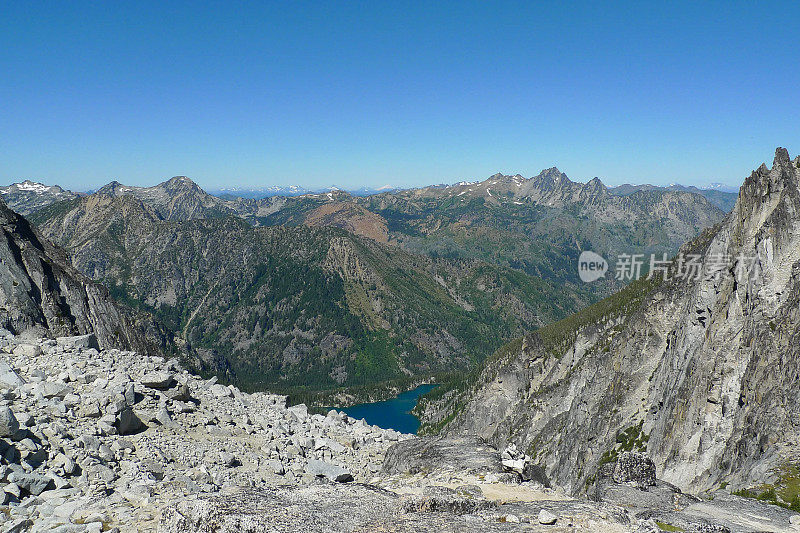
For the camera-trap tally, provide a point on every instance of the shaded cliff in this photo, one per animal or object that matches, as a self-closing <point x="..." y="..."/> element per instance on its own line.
<point x="39" y="289"/>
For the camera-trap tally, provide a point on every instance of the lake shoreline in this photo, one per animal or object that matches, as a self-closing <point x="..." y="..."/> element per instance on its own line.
<point x="321" y="401"/>
<point x="394" y="413"/>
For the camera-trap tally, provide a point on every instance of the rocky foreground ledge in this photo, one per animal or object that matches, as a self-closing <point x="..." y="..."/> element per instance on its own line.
<point x="107" y="440"/>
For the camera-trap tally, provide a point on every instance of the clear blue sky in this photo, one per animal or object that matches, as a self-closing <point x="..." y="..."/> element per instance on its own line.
<point x="390" y="92"/>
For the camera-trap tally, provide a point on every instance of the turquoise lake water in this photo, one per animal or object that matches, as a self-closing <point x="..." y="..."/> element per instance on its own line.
<point x="391" y="414"/>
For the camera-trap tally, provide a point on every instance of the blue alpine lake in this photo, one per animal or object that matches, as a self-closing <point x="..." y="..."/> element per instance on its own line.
<point x="391" y="414"/>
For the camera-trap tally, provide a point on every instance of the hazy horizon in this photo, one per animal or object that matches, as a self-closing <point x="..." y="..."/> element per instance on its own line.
<point x="233" y="186"/>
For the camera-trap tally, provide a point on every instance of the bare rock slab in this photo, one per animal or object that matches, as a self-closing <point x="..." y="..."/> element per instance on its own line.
<point x="329" y="508"/>
<point x="426" y="454"/>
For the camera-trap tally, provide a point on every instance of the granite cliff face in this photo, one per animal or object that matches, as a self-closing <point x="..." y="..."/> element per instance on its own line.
<point x="40" y="290"/>
<point x="701" y="372"/>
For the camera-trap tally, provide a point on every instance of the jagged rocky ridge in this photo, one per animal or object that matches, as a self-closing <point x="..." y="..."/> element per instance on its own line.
<point x="40" y="290"/>
<point x="703" y="375"/>
<point x="531" y="224"/>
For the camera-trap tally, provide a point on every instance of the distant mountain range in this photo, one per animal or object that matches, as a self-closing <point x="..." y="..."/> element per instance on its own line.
<point x="292" y="190"/>
<point x="723" y="196"/>
<point x="536" y="225"/>
<point x="332" y="289"/>
<point x="28" y="196"/>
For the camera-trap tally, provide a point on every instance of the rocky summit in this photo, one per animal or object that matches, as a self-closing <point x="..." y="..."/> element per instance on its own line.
<point x="28" y="196"/>
<point x="110" y="440"/>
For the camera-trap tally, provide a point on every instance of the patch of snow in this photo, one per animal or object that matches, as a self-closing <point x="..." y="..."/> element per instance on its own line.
<point x="31" y="186"/>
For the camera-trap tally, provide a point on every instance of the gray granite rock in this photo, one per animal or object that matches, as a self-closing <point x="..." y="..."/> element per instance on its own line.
<point x="158" y="380"/>
<point x="32" y="483"/>
<point x="9" y="425"/>
<point x="329" y="471"/>
<point x="8" y="376"/>
<point x="547" y="518"/>
<point x="462" y="454"/>
<point x="78" y="341"/>
<point x="128" y="422"/>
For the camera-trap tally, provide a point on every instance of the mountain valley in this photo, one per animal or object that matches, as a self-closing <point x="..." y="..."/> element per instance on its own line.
<point x="324" y="291"/>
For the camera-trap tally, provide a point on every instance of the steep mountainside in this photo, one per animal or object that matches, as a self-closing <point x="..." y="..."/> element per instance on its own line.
<point x="703" y="374"/>
<point x="28" y="196"/>
<point x="301" y="306"/>
<point x="39" y="289"/>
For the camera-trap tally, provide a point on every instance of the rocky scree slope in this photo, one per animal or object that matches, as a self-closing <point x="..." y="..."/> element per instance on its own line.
<point x="109" y="440"/>
<point x="703" y="375"/>
<point x="40" y="290"/>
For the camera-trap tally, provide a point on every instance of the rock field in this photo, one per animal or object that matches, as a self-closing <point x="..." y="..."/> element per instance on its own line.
<point x="107" y="440"/>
